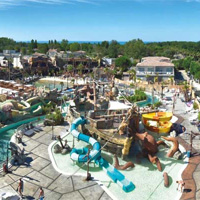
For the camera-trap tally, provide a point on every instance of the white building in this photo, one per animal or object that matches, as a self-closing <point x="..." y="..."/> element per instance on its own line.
<point x="150" y="67"/>
<point x="17" y="62"/>
<point x="3" y="61"/>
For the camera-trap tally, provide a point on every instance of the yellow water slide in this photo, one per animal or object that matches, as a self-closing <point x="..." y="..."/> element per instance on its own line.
<point x="158" y="122"/>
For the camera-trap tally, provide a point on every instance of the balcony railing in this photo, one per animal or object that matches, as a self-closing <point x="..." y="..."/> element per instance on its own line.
<point x="154" y="73"/>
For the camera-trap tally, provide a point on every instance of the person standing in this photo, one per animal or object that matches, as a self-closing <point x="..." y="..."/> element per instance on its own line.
<point x="41" y="195"/>
<point x="181" y="183"/>
<point x="5" y="168"/>
<point x="20" y="187"/>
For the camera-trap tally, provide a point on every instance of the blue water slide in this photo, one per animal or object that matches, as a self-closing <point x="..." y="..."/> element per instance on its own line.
<point x="79" y="155"/>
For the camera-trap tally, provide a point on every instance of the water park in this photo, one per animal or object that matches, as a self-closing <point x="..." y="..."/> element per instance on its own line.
<point x="126" y="150"/>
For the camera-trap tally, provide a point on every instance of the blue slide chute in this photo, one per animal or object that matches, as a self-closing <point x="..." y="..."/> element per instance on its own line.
<point x="79" y="155"/>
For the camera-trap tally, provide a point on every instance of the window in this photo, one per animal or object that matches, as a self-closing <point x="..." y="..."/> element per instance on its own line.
<point x="169" y="70"/>
<point x="141" y="69"/>
<point x="159" y="69"/>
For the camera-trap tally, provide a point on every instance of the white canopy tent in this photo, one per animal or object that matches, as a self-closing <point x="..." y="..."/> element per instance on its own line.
<point x="115" y="105"/>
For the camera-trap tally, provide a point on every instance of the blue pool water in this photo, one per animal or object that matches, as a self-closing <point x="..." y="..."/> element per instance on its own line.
<point x="4" y="141"/>
<point x="148" y="101"/>
<point x="6" y="134"/>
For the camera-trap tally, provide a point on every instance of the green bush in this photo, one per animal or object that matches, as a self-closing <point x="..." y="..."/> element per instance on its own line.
<point x="157" y="104"/>
<point x="195" y="106"/>
<point x="138" y="96"/>
<point x="56" y="116"/>
<point x="48" y="108"/>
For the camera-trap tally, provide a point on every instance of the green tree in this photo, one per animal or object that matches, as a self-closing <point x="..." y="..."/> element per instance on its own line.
<point x="43" y="48"/>
<point x="122" y="63"/>
<point x="132" y="74"/>
<point x="113" y="49"/>
<point x="136" y="49"/>
<point x="75" y="46"/>
<point x="64" y="45"/>
<point x="70" y="68"/>
<point x="80" y="68"/>
<point x="23" y="50"/>
<point x="61" y="84"/>
<point x="186" y="63"/>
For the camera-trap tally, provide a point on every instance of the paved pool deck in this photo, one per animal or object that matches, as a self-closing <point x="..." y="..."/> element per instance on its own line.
<point x="191" y="175"/>
<point x="38" y="171"/>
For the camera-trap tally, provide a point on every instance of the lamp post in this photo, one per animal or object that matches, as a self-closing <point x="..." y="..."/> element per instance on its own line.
<point x="52" y="122"/>
<point x="162" y="87"/>
<point x="7" y="154"/>
<point x="54" y="80"/>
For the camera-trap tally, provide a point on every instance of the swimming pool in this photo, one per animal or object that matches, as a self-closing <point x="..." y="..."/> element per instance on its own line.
<point x="5" y="135"/>
<point x="148" y="101"/>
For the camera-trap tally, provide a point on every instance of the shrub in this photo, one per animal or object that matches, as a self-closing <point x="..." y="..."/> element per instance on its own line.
<point x="157" y="104"/>
<point x="56" y="116"/>
<point x="195" y="106"/>
<point x="138" y="96"/>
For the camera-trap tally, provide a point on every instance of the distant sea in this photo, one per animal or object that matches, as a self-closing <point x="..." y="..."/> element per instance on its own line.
<point x="91" y="42"/>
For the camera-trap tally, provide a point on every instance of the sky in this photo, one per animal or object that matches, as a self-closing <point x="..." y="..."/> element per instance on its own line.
<point x="98" y="20"/>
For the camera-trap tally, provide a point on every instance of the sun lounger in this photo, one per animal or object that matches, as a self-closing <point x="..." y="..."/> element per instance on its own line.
<point x="35" y="129"/>
<point x="39" y="128"/>
<point x="29" y="132"/>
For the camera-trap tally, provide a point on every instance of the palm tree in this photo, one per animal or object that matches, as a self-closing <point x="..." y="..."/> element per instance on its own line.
<point x="156" y="78"/>
<point x="80" y="69"/>
<point x="72" y="81"/>
<point x="61" y="84"/>
<point x="70" y="69"/>
<point x="132" y="74"/>
<point x="147" y="78"/>
<point x="186" y="90"/>
<point x="171" y="80"/>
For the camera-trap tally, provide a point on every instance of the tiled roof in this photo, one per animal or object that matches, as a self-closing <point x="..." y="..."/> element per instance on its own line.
<point x="155" y="62"/>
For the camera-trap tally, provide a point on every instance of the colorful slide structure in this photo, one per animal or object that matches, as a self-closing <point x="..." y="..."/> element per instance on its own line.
<point x="158" y="122"/>
<point x="95" y="155"/>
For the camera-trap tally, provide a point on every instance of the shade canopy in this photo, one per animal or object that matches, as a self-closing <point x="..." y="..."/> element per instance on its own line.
<point x="115" y="105"/>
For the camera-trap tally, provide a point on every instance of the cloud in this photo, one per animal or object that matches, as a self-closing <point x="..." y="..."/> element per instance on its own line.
<point x="9" y="3"/>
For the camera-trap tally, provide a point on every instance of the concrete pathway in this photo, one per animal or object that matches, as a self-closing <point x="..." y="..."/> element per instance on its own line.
<point x="38" y="171"/>
<point x="191" y="174"/>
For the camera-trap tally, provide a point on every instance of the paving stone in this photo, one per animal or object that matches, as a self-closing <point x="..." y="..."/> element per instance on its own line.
<point x="39" y="179"/>
<point x="42" y="151"/>
<point x="25" y="138"/>
<point x="29" y="188"/>
<point x="92" y="192"/>
<point x="73" y="195"/>
<point x="196" y="176"/>
<point x="49" y="195"/>
<point x="31" y="144"/>
<point x="50" y="172"/>
<point x="20" y="172"/>
<point x="45" y="139"/>
<point x="62" y="185"/>
<point x="39" y="163"/>
<point x="198" y="168"/>
<point x="37" y="135"/>
<point x="105" y="196"/>
<point x="5" y="180"/>
<point x="198" y="195"/>
<point x="79" y="182"/>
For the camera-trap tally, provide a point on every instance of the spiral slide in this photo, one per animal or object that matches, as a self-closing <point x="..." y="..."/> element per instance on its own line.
<point x="95" y="155"/>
